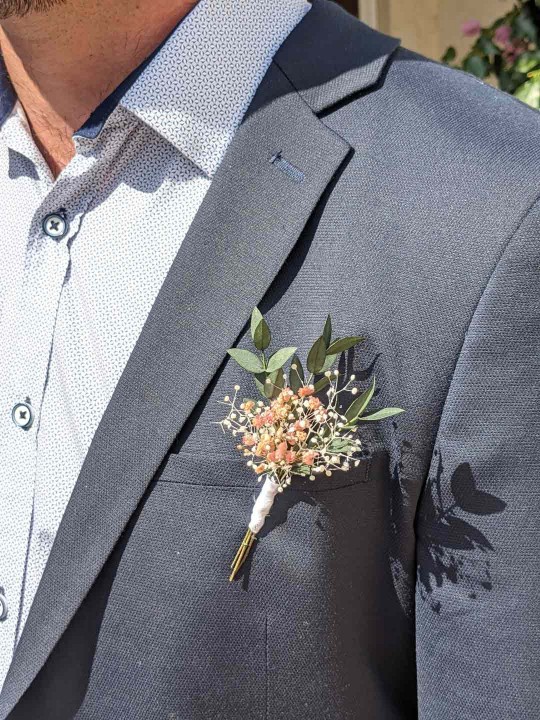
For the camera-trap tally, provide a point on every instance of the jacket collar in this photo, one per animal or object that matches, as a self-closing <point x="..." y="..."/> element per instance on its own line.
<point x="346" y="58"/>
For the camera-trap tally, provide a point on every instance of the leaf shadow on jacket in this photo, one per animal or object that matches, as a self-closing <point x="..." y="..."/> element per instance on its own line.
<point x="451" y="549"/>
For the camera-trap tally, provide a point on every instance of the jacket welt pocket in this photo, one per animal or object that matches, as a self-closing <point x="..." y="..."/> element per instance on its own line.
<point x="223" y="471"/>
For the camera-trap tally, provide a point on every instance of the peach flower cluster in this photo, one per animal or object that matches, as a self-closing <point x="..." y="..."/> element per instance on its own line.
<point x="294" y="434"/>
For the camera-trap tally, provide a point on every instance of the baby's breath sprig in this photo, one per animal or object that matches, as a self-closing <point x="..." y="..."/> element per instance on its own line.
<point x="293" y="431"/>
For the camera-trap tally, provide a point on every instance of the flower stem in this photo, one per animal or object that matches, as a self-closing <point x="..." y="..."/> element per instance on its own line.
<point x="242" y="553"/>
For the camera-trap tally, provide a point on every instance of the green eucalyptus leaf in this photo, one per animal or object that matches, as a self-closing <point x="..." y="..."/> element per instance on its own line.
<point x="260" y="380"/>
<point x="476" y="65"/>
<point x="357" y="407"/>
<point x="341" y="445"/>
<point x="246" y="359"/>
<point x="296" y="376"/>
<point x="527" y="62"/>
<point x="486" y="46"/>
<point x="316" y="356"/>
<point x="262" y="336"/>
<point x="449" y="56"/>
<point x="525" y="27"/>
<point x="321" y="384"/>
<point x="279" y="358"/>
<point x="328" y="362"/>
<point x="327" y="332"/>
<point x="529" y="93"/>
<point x="256" y="317"/>
<point x="339" y="346"/>
<point x="276" y="384"/>
<point x="382" y="414"/>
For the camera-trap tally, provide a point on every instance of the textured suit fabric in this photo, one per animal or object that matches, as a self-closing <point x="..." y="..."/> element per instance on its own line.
<point x="405" y="589"/>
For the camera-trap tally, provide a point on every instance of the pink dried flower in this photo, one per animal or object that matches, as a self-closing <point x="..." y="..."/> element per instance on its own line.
<point x="502" y="34"/>
<point x="290" y="457"/>
<point x="309" y="457"/>
<point x="512" y="51"/>
<point x="281" y="452"/>
<point x="471" y="28"/>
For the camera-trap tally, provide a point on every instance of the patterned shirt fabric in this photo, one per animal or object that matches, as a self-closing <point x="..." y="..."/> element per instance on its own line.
<point x="72" y="305"/>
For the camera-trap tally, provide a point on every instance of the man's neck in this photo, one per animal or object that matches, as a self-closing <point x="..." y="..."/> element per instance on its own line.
<point x="64" y="62"/>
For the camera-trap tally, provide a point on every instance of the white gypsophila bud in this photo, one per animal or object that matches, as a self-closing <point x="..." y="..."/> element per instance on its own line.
<point x="353" y="377"/>
<point x="237" y="388"/>
<point x="227" y="398"/>
<point x="328" y="473"/>
<point x="356" y="463"/>
<point x="328" y="373"/>
<point x="354" y="391"/>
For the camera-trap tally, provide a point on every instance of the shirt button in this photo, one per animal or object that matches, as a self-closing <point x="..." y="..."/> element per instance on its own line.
<point x="55" y="226"/>
<point x="22" y="416"/>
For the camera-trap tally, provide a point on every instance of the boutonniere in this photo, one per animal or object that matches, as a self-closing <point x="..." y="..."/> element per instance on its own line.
<point x="292" y="431"/>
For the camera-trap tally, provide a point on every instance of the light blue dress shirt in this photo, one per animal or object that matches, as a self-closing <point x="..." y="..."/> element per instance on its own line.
<point x="84" y="256"/>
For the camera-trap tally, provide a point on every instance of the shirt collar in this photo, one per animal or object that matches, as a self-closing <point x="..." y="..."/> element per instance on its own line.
<point x="195" y="88"/>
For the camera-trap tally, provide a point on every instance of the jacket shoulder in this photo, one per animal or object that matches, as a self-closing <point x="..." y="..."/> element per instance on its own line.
<point x="457" y="91"/>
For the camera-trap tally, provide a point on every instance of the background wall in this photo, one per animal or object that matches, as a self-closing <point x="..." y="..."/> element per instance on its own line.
<point x="427" y="26"/>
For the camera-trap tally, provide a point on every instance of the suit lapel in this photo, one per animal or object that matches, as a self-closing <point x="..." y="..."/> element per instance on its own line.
<point x="249" y="221"/>
<point x="246" y="227"/>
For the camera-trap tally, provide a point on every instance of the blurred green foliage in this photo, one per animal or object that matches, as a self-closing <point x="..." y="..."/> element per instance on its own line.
<point x="507" y="52"/>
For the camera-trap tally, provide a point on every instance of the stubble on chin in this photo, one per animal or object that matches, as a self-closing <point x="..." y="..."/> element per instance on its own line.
<point x="20" y="8"/>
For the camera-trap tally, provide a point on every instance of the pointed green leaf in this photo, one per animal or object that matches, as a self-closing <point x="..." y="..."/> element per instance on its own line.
<point x="329" y="361"/>
<point x="316" y="356"/>
<point x="382" y="414"/>
<point x="327" y="332"/>
<point x="277" y="383"/>
<point x="321" y="384"/>
<point x="256" y="317"/>
<point x="296" y="376"/>
<point x="262" y="336"/>
<point x="279" y="358"/>
<point x="248" y="360"/>
<point x="339" y="346"/>
<point x="357" y="407"/>
<point x="476" y="65"/>
<point x="260" y="380"/>
<point x="342" y="445"/>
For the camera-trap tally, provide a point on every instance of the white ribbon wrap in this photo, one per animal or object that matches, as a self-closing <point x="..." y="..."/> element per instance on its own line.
<point x="263" y="505"/>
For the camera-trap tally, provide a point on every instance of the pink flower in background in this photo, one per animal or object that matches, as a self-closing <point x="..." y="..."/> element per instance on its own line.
<point x="470" y="28"/>
<point x="513" y="50"/>
<point x="502" y="34"/>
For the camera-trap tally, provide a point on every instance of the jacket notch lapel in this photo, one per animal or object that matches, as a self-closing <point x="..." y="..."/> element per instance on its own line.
<point x="276" y="169"/>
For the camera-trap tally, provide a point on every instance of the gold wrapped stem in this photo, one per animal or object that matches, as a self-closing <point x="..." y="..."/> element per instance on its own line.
<point x="242" y="553"/>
